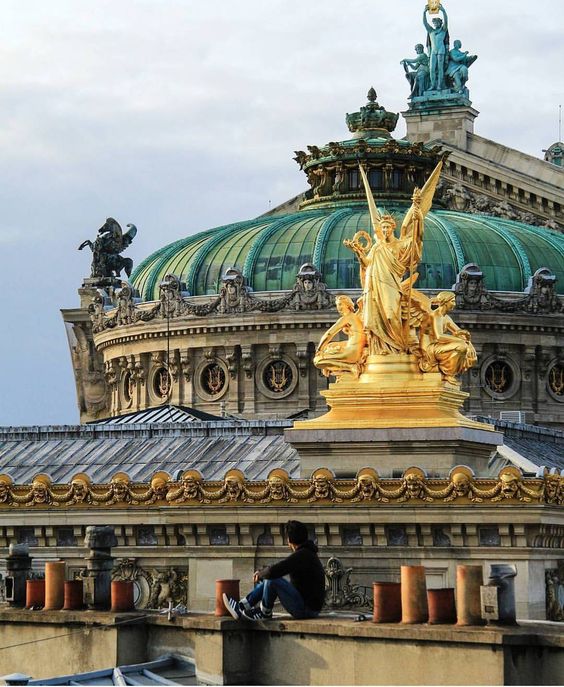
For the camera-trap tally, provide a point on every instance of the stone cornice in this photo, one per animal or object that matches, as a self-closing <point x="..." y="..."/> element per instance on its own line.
<point x="191" y="325"/>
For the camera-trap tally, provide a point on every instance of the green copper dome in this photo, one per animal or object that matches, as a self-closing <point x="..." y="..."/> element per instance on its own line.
<point x="270" y="250"/>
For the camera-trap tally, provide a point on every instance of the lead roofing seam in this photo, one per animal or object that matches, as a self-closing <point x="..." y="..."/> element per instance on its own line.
<point x="320" y="246"/>
<point x="515" y="245"/>
<point x="452" y="237"/>
<point x="257" y="246"/>
<point x="202" y="252"/>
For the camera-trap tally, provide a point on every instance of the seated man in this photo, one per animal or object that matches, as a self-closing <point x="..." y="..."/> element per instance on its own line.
<point x="302" y="596"/>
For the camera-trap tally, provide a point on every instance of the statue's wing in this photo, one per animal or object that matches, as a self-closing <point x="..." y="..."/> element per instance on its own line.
<point x="375" y="214"/>
<point x="132" y="232"/>
<point x="419" y="303"/>
<point x="427" y="194"/>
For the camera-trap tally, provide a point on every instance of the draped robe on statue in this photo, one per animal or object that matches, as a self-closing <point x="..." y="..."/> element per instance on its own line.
<point x="384" y="298"/>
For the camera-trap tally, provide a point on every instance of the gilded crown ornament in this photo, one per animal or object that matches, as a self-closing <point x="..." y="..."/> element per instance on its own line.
<point x="372" y="116"/>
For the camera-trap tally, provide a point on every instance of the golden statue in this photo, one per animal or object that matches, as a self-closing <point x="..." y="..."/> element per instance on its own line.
<point x="398" y="365"/>
<point x="390" y="306"/>
<point x="443" y="344"/>
<point x="338" y="357"/>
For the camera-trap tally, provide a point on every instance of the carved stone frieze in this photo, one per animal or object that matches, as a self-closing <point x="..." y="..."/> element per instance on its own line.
<point x="308" y="293"/>
<point x="456" y="196"/>
<point x="555" y="593"/>
<point x="155" y="588"/>
<point x="340" y="592"/>
<point x="414" y="488"/>
<point x="539" y="297"/>
<point x="89" y="370"/>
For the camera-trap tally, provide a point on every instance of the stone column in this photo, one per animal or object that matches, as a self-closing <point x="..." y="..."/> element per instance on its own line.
<point x="99" y="564"/>
<point x="18" y="569"/>
<point x="186" y="377"/>
<point x="303" y="358"/>
<point x="449" y="124"/>
<point x="233" y="359"/>
<point x="248" y="364"/>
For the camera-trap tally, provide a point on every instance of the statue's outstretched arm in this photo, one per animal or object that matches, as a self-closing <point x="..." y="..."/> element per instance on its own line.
<point x="331" y="332"/>
<point x="425" y="22"/>
<point x="358" y="250"/>
<point x="445" y="18"/>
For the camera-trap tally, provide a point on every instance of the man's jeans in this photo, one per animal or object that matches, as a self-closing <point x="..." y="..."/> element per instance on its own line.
<point x="268" y="590"/>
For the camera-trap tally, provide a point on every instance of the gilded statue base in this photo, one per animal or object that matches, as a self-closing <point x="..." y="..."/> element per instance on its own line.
<point x="390" y="418"/>
<point x="392" y="392"/>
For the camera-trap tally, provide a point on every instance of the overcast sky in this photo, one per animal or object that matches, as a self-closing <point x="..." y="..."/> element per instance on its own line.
<point x="179" y="116"/>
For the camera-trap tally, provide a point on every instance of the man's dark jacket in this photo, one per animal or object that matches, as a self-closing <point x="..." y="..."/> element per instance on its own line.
<point x="306" y="574"/>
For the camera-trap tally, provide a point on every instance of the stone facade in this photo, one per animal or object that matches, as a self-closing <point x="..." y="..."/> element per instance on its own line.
<point x="251" y="354"/>
<point x="179" y="552"/>
<point x="486" y="177"/>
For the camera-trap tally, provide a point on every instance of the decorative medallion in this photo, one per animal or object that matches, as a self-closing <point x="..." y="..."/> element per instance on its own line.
<point x="162" y="383"/>
<point x="213" y="379"/>
<point x="499" y="377"/>
<point x="277" y="376"/>
<point x="556" y="381"/>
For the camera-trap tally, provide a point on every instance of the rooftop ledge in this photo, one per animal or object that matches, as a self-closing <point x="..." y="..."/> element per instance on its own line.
<point x="331" y="649"/>
<point x="332" y="624"/>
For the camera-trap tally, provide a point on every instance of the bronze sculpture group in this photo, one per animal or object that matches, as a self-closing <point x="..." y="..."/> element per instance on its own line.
<point x="442" y="68"/>
<point x="110" y="242"/>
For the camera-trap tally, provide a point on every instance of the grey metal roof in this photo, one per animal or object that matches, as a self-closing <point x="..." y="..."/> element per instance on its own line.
<point x="255" y="448"/>
<point x="172" y="414"/>
<point x="166" y="670"/>
<point x="542" y="446"/>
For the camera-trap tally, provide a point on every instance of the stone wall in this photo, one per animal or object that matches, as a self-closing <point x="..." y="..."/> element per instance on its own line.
<point x="191" y="547"/>
<point x="260" y="365"/>
<point x="327" y="650"/>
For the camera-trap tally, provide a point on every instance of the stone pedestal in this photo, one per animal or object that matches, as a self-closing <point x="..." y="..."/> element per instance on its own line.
<point x="18" y="570"/>
<point x="393" y="417"/>
<point x="448" y="123"/>
<point x="436" y="450"/>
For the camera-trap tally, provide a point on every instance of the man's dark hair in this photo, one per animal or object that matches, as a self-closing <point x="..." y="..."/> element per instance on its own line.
<point x="296" y="532"/>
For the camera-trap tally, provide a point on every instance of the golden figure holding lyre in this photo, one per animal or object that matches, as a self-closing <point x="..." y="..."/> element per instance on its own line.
<point x="392" y="317"/>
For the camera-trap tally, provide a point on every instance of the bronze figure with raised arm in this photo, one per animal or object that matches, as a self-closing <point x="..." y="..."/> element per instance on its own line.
<point x="437" y="43"/>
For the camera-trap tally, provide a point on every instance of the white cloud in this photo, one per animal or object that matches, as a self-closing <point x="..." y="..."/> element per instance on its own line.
<point x="151" y="110"/>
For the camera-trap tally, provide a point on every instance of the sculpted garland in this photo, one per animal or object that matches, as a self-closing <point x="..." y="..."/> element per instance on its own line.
<point x="368" y="489"/>
<point x="309" y="293"/>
